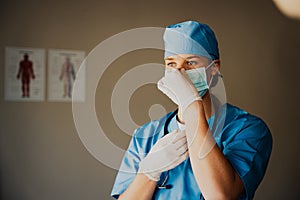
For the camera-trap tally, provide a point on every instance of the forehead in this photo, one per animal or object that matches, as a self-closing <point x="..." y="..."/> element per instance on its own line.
<point x="187" y="57"/>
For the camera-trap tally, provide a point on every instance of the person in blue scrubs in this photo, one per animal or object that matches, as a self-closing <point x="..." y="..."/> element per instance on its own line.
<point x="204" y="149"/>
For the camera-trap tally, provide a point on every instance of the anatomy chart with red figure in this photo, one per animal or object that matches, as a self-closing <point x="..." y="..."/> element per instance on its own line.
<point x="24" y="74"/>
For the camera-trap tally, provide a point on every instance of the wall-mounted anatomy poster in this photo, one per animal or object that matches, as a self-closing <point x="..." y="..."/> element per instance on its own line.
<point x="24" y="74"/>
<point x="62" y="68"/>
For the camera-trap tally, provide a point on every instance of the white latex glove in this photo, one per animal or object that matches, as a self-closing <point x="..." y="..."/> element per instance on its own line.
<point x="178" y="87"/>
<point x="166" y="154"/>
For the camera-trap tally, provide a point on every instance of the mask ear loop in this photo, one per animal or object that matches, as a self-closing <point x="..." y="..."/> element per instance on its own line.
<point x="211" y="78"/>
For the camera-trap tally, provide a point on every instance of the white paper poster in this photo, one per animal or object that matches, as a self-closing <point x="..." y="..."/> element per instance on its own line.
<point x="24" y="74"/>
<point x="62" y="68"/>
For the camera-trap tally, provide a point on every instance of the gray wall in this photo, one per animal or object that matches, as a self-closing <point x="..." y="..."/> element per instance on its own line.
<point x="42" y="156"/>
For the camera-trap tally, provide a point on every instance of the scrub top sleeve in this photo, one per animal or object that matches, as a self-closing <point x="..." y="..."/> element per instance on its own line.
<point x="128" y="169"/>
<point x="249" y="152"/>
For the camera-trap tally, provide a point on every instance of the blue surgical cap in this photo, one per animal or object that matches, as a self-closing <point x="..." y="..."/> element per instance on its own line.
<point x="191" y="37"/>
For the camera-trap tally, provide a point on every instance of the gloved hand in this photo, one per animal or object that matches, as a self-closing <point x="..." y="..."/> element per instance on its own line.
<point x="178" y="87"/>
<point x="166" y="154"/>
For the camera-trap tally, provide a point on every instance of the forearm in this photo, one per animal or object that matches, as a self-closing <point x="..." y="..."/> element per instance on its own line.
<point x="141" y="188"/>
<point x="214" y="174"/>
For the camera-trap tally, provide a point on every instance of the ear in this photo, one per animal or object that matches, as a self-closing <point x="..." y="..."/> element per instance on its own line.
<point x="217" y="67"/>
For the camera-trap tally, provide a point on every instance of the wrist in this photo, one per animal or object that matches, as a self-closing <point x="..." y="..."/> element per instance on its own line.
<point x="150" y="176"/>
<point x="147" y="178"/>
<point x="193" y="110"/>
<point x="184" y="104"/>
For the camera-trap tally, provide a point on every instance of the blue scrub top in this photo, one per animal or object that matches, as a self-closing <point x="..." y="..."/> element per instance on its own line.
<point x="244" y="139"/>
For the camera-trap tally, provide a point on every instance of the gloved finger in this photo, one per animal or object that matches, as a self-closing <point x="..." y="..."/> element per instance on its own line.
<point x="181" y="158"/>
<point x="160" y="145"/>
<point x="168" y="92"/>
<point x="160" y="83"/>
<point x="170" y="71"/>
<point x="163" y="88"/>
<point x="174" y="74"/>
<point x="182" y="149"/>
<point x="176" y="161"/>
<point x="180" y="142"/>
<point x="184" y="156"/>
<point x="163" y="142"/>
<point x="173" y="162"/>
<point x="178" y="136"/>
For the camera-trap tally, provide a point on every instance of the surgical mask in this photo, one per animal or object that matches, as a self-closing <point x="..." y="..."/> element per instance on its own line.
<point x="198" y="78"/>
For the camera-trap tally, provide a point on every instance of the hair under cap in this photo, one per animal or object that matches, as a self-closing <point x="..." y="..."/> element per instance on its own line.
<point x="191" y="37"/>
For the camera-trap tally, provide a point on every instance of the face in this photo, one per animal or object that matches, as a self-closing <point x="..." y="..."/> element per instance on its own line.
<point x="192" y="61"/>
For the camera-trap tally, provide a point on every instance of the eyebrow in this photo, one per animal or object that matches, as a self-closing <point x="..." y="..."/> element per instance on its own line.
<point x="169" y="58"/>
<point x="190" y="57"/>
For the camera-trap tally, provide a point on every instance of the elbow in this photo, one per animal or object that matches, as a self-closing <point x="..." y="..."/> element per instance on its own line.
<point x="227" y="191"/>
<point x="222" y="195"/>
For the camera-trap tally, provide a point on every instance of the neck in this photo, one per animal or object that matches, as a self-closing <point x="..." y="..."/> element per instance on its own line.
<point x="206" y="102"/>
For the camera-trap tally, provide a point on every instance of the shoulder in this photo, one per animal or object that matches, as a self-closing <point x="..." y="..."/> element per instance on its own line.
<point x="239" y="121"/>
<point x="233" y="114"/>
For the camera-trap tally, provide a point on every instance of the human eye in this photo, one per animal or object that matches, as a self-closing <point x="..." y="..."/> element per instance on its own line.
<point x="191" y="62"/>
<point x="171" y="64"/>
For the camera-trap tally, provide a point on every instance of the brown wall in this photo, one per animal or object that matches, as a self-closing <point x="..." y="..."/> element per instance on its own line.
<point x="42" y="156"/>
